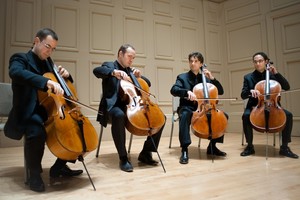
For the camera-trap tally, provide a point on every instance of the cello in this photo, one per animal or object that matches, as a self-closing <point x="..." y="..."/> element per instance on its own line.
<point x="70" y="135"/>
<point x="144" y="117"/>
<point x="207" y="121"/>
<point x="267" y="115"/>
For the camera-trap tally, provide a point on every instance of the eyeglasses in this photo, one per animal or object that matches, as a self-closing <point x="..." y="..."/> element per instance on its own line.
<point x="48" y="46"/>
<point x="258" y="61"/>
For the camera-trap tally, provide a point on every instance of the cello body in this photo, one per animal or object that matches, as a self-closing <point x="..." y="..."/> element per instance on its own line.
<point x="275" y="121"/>
<point x="143" y="116"/>
<point x="208" y="122"/>
<point x="70" y="134"/>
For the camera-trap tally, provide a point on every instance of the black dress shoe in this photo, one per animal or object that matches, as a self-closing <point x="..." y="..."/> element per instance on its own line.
<point x="126" y="166"/>
<point x="215" y="151"/>
<point x="36" y="183"/>
<point x="65" y="171"/>
<point x="249" y="150"/>
<point x="184" y="158"/>
<point x="286" y="151"/>
<point x="146" y="157"/>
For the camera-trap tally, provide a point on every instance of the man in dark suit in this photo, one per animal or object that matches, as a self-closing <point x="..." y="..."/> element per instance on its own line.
<point x="260" y="60"/>
<point x="113" y="107"/>
<point x="27" y="116"/>
<point x="183" y="88"/>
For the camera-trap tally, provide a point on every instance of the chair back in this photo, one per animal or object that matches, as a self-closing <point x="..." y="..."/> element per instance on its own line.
<point x="245" y="103"/>
<point x="175" y="103"/>
<point x="5" y="99"/>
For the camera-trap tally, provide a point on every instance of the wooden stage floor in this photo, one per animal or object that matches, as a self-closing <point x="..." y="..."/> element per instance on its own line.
<point x="233" y="177"/>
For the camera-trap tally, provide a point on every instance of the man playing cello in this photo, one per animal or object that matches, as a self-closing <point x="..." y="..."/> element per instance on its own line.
<point x="183" y="88"/>
<point x="27" y="117"/>
<point x="114" y="108"/>
<point x="260" y="59"/>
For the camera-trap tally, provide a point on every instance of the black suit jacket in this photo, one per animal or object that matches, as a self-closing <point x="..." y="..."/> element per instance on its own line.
<point x="27" y="79"/>
<point x="185" y="82"/>
<point x="251" y="79"/>
<point x="110" y="88"/>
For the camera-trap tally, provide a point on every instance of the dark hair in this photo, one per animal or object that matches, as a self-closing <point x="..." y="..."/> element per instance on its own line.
<point x="196" y="55"/>
<point x="43" y="33"/>
<point x="264" y="55"/>
<point x="124" y="48"/>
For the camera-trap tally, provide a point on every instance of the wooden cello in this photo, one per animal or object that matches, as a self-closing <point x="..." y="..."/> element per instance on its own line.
<point x="144" y="116"/>
<point x="207" y="121"/>
<point x="268" y="116"/>
<point x="70" y="135"/>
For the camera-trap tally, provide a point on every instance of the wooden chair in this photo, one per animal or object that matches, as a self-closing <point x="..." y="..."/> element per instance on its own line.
<point x="175" y="118"/>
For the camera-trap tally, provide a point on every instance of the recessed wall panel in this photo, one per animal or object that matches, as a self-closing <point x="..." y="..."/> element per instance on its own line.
<point x="213" y="46"/>
<point x="102" y="2"/>
<point x="101" y="33"/>
<point x="95" y="87"/>
<point x="134" y="34"/>
<point x="212" y="13"/>
<point x="22" y="28"/>
<point x="137" y="5"/>
<point x="165" y="82"/>
<point x="241" y="11"/>
<point x="163" y="40"/>
<point x="276" y="4"/>
<point x="188" y="12"/>
<point x="291" y="32"/>
<point x="236" y="78"/>
<point x="162" y="7"/>
<point x="70" y="65"/>
<point x="241" y="48"/>
<point x="293" y="78"/>
<point x="66" y="25"/>
<point x="189" y="41"/>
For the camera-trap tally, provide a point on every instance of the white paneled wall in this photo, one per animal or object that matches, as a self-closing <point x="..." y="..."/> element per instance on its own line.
<point x="164" y="32"/>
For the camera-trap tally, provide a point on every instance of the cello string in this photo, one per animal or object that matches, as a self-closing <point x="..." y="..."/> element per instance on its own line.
<point x="139" y="88"/>
<point x="59" y="78"/>
<point x="67" y="89"/>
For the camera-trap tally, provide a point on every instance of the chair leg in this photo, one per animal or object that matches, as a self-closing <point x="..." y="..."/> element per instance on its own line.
<point x="274" y="139"/>
<point x="199" y="142"/>
<point x="280" y="138"/>
<point x="99" y="142"/>
<point x="26" y="170"/>
<point x="171" y="134"/>
<point x="243" y="138"/>
<point x="130" y="142"/>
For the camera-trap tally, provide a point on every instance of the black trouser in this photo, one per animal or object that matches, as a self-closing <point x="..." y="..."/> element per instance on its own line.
<point x="35" y="137"/>
<point x="185" y="117"/>
<point x="286" y="132"/>
<point x="118" y="122"/>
